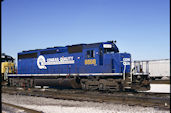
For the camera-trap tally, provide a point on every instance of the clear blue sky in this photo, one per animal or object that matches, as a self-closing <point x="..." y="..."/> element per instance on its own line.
<point x="140" y="27"/>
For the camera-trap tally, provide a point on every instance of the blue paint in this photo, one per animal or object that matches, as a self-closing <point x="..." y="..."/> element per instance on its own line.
<point x="106" y="62"/>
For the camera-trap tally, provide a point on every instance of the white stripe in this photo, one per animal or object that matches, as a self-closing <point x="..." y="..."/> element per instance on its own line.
<point x="74" y="74"/>
<point x="140" y="73"/>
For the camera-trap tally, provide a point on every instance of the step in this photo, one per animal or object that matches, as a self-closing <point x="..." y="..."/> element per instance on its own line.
<point x="127" y="87"/>
<point x="129" y="82"/>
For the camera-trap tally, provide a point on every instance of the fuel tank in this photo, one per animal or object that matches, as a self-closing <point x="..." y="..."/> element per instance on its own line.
<point x="58" y="83"/>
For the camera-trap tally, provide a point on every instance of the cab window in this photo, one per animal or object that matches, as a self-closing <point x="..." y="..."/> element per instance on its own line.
<point x="90" y="54"/>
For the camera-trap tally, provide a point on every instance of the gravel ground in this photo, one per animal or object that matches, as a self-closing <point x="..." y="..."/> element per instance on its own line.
<point x="48" y="105"/>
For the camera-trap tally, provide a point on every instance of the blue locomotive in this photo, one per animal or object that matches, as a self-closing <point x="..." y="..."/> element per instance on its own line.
<point x="87" y="66"/>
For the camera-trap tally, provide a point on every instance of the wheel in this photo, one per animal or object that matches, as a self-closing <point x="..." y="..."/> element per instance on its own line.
<point x="84" y="87"/>
<point x="121" y="88"/>
<point x="101" y="86"/>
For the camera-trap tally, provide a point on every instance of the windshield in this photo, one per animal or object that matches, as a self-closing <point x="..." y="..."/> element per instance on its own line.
<point x="110" y="48"/>
<point x="6" y="58"/>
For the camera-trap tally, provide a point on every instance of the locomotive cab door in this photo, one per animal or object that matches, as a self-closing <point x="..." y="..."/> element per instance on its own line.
<point x="101" y="56"/>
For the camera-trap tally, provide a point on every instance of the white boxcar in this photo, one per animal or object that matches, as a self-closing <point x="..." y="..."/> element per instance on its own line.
<point x="157" y="68"/>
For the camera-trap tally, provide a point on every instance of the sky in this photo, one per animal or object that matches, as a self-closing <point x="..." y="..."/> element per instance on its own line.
<point x="140" y="27"/>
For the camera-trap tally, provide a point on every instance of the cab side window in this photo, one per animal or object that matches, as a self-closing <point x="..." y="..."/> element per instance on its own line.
<point x="90" y="54"/>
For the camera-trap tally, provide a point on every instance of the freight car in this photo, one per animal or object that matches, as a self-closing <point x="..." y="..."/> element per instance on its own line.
<point x="158" y="69"/>
<point x="96" y="66"/>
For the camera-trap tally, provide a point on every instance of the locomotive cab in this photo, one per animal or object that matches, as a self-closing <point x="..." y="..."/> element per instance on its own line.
<point x="121" y="64"/>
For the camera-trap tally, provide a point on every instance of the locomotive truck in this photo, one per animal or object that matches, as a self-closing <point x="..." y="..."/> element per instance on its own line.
<point x="95" y="66"/>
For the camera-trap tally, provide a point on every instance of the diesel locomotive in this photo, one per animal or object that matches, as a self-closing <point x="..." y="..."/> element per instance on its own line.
<point x="96" y="66"/>
<point x="7" y="67"/>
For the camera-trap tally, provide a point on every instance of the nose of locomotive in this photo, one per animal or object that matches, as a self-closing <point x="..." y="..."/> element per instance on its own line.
<point x="125" y="60"/>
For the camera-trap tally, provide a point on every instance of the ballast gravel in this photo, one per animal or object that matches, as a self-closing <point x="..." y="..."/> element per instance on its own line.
<point x="48" y="105"/>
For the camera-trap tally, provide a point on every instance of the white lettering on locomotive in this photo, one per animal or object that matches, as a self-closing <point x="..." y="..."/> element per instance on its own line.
<point x="126" y="61"/>
<point x="41" y="62"/>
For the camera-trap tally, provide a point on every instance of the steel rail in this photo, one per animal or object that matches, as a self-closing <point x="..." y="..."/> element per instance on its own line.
<point x="24" y="109"/>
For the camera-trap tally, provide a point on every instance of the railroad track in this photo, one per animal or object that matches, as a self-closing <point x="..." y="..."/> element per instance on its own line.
<point x="160" y="81"/>
<point x="146" y="99"/>
<point x="11" y="108"/>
